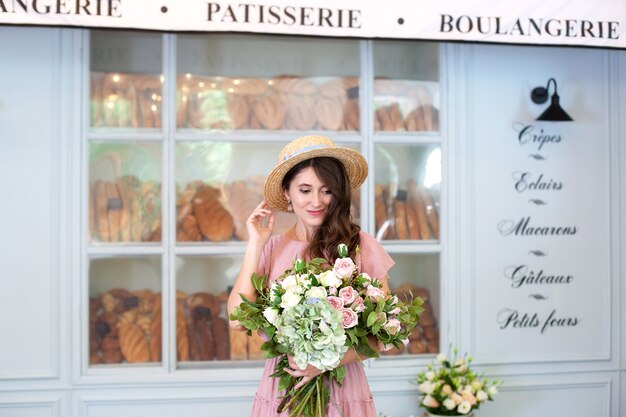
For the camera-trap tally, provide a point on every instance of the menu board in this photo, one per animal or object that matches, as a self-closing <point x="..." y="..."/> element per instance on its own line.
<point x="541" y="239"/>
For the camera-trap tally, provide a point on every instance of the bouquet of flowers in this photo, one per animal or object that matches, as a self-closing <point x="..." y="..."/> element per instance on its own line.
<point x="315" y="312"/>
<point x="454" y="389"/>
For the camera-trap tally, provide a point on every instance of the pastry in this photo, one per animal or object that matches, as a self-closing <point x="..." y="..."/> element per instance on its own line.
<point x="238" y="344"/>
<point x="301" y="112"/>
<point x="269" y="110"/>
<point x="351" y="114"/>
<point x="400" y="222"/>
<point x="254" y="346"/>
<point x="329" y="113"/>
<point x="243" y="197"/>
<point x="238" y="111"/>
<point x="133" y="343"/>
<point x="214" y="220"/>
<point x="182" y="338"/>
<point x="222" y="341"/>
<point x="204" y="333"/>
<point x="431" y="210"/>
<point x="190" y="227"/>
<point x="416" y="347"/>
<point x="415" y="201"/>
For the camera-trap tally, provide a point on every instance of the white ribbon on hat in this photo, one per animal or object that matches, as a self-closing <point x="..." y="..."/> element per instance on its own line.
<point x="305" y="149"/>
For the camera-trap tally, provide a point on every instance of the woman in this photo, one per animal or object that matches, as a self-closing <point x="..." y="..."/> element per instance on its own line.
<point x="314" y="179"/>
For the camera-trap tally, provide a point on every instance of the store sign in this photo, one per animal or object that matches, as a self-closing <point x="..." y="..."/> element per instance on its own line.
<point x="541" y="213"/>
<point x="564" y="22"/>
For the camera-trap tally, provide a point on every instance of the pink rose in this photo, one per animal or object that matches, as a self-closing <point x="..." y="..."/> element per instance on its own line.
<point x="332" y="290"/>
<point x="395" y="310"/>
<point x="357" y="305"/>
<point x="335" y="302"/>
<point x="348" y="294"/>
<point x="344" y="267"/>
<point x="395" y="300"/>
<point x="374" y="292"/>
<point x="350" y="319"/>
<point x="392" y="326"/>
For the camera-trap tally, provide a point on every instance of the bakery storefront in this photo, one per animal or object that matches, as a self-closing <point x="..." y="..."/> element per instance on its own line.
<point x="134" y="140"/>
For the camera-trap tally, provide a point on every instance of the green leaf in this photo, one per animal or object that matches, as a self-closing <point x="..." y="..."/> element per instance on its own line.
<point x="285" y="382"/>
<point x="371" y="318"/>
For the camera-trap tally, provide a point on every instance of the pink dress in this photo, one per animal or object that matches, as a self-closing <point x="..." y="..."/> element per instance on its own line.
<point x="351" y="399"/>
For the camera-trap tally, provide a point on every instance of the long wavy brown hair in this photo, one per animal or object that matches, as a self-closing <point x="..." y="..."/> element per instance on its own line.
<point x="338" y="226"/>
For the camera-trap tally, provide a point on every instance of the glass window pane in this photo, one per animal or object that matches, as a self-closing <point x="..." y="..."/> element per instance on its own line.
<point x="406" y="86"/>
<point x="125" y="192"/>
<point x="125" y="80"/>
<point x="125" y="310"/>
<point x="407" y="192"/>
<point x="218" y="184"/>
<point x="202" y="332"/>
<point x="243" y="82"/>
<point x="419" y="275"/>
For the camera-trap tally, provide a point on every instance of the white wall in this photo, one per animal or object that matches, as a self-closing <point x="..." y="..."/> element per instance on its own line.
<point x="33" y="218"/>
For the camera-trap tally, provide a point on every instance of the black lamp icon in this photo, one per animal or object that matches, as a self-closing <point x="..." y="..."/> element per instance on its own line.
<point x="554" y="112"/>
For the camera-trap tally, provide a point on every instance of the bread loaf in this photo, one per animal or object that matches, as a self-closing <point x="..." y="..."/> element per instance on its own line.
<point x="214" y="220"/>
<point x="415" y="201"/>
<point x="238" y="345"/>
<point x="133" y="343"/>
<point x="182" y="337"/>
<point x="269" y="110"/>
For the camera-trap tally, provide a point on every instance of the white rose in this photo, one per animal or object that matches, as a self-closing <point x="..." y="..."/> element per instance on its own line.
<point x="270" y="314"/>
<point x="304" y="280"/>
<point x="316" y="292"/>
<point x="449" y="404"/>
<point x="329" y="279"/>
<point x="430" y="375"/>
<point x="481" y="396"/>
<point x="426" y="387"/>
<point x="290" y="299"/>
<point x="289" y="282"/>
<point x="441" y="357"/>
<point x="430" y="402"/>
<point x="492" y="391"/>
<point x="464" y="407"/>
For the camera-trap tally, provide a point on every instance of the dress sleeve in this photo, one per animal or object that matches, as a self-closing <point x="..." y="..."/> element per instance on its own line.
<point x="373" y="259"/>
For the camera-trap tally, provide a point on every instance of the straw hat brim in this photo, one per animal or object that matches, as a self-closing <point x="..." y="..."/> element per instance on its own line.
<point x="353" y="162"/>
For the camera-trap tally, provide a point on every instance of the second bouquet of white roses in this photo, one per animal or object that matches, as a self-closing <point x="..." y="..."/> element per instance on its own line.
<point x="316" y="311"/>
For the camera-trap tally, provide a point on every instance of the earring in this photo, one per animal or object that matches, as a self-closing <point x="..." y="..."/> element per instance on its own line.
<point x="289" y="206"/>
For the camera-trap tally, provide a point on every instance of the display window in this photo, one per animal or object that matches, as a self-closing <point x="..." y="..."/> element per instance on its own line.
<point x="125" y="84"/>
<point x="182" y="131"/>
<point x="406" y="87"/>
<point x="125" y="310"/>
<point x="243" y="82"/>
<point x="124" y="192"/>
<point x="407" y="192"/>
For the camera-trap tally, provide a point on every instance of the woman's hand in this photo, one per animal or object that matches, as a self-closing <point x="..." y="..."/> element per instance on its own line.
<point x="257" y="230"/>
<point x="307" y="374"/>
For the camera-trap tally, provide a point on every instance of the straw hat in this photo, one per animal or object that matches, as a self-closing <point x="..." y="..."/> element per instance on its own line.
<point x="308" y="147"/>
